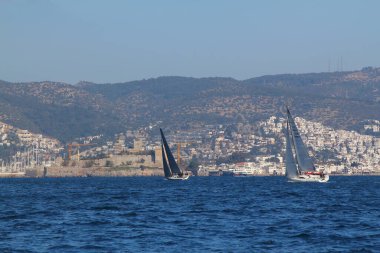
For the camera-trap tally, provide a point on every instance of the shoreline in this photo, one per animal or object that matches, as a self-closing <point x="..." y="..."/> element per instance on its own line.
<point x="142" y="174"/>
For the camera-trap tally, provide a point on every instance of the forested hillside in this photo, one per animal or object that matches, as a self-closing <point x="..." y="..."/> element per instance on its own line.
<point x="340" y="99"/>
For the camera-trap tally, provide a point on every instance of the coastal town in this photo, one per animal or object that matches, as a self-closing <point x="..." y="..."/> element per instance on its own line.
<point x="242" y="149"/>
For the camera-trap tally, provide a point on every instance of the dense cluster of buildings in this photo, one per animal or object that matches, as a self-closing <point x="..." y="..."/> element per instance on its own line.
<point x="335" y="151"/>
<point x="372" y="125"/>
<point x="238" y="149"/>
<point x="352" y="152"/>
<point x="28" y="149"/>
<point x="4" y="134"/>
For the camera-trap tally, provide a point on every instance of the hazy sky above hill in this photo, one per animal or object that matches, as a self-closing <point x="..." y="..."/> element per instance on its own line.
<point x="113" y="41"/>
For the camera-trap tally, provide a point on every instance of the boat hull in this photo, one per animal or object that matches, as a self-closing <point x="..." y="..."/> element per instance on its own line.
<point x="176" y="177"/>
<point x="310" y="178"/>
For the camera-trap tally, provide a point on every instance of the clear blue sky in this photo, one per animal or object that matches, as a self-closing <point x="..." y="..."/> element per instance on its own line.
<point x="113" y="41"/>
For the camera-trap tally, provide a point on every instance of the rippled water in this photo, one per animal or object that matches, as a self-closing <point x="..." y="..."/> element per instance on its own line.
<point x="203" y="214"/>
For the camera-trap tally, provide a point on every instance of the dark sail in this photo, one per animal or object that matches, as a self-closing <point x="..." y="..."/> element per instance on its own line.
<point x="167" y="171"/>
<point x="303" y="158"/>
<point x="171" y="162"/>
<point x="291" y="167"/>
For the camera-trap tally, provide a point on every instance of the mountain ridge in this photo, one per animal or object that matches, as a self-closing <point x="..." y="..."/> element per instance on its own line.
<point x="65" y="111"/>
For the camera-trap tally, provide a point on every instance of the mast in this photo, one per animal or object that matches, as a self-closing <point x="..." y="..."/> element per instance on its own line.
<point x="170" y="159"/>
<point x="302" y="155"/>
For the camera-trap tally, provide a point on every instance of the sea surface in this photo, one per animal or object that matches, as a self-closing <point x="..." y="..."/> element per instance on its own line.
<point x="203" y="214"/>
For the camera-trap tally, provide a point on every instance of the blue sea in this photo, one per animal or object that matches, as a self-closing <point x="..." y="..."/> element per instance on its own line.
<point x="203" y="214"/>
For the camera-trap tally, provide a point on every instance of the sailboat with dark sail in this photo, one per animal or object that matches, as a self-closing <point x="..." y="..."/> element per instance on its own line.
<point x="171" y="169"/>
<point x="299" y="166"/>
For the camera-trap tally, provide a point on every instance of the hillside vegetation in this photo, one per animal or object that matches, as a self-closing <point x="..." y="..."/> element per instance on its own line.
<point x="340" y="99"/>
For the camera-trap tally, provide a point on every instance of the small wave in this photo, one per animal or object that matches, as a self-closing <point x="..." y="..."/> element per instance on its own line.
<point x="93" y="247"/>
<point x="12" y="217"/>
<point x="93" y="223"/>
<point x="293" y="194"/>
<point x="302" y="236"/>
<point x="106" y="208"/>
<point x="129" y="214"/>
<point x="362" y="250"/>
<point x="268" y="242"/>
<point x="61" y="247"/>
<point x="170" y="243"/>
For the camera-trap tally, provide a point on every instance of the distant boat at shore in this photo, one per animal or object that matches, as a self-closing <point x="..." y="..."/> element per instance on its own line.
<point x="299" y="167"/>
<point x="171" y="169"/>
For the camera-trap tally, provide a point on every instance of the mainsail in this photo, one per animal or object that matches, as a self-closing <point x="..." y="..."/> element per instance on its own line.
<point x="291" y="167"/>
<point x="167" y="171"/>
<point x="303" y="158"/>
<point x="168" y="159"/>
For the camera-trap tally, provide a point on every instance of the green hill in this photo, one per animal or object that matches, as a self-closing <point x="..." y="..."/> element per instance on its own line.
<point x="339" y="99"/>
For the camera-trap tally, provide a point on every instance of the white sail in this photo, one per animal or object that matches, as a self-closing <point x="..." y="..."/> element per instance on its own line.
<point x="299" y="168"/>
<point x="303" y="158"/>
<point x="291" y="167"/>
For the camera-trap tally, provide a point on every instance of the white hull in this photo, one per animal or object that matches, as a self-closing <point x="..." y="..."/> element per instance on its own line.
<point x="310" y="178"/>
<point x="176" y="177"/>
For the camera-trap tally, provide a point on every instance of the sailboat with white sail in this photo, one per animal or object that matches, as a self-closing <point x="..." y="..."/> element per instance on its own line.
<point x="299" y="166"/>
<point x="171" y="169"/>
